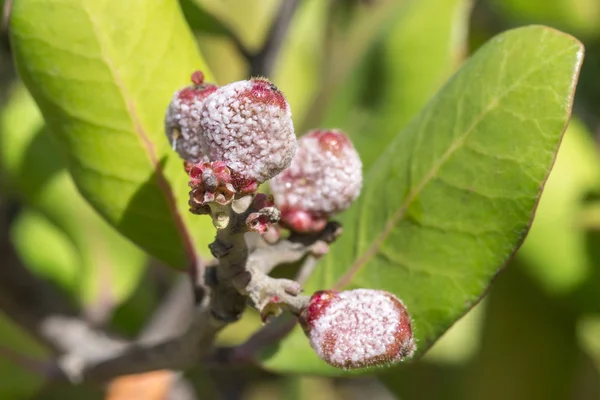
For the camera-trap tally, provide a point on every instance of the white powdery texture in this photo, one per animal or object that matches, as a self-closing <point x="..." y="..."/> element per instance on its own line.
<point x="319" y="181"/>
<point x="254" y="138"/>
<point x="362" y="327"/>
<point x="182" y="126"/>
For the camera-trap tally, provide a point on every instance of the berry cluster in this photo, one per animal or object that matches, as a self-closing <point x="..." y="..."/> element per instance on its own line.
<point x="245" y="125"/>
<point x="235" y="137"/>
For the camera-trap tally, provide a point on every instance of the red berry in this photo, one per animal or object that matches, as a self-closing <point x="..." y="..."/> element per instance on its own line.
<point x="248" y="126"/>
<point x="358" y="328"/>
<point x="182" y="121"/>
<point x="324" y="179"/>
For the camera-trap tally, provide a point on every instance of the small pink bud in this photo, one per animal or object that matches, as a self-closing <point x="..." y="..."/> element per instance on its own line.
<point x="182" y="121"/>
<point x="209" y="182"/>
<point x="264" y="215"/>
<point x="248" y="126"/>
<point x="324" y="179"/>
<point x="358" y="328"/>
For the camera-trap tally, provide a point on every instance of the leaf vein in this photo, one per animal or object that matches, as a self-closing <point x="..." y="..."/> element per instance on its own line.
<point x="138" y="129"/>
<point x="454" y="146"/>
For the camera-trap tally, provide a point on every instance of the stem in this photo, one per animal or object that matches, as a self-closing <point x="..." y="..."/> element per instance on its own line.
<point x="231" y="250"/>
<point x="263" y="62"/>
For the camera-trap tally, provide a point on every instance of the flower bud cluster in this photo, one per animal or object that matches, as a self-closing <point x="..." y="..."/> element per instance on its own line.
<point x="246" y="125"/>
<point x="235" y="137"/>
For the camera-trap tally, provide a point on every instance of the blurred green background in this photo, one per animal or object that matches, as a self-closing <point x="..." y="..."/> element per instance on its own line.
<point x="349" y="64"/>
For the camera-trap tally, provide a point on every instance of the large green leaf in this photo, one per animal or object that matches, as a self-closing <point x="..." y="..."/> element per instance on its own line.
<point x="453" y="195"/>
<point x="103" y="72"/>
<point x="64" y="239"/>
<point x="422" y="48"/>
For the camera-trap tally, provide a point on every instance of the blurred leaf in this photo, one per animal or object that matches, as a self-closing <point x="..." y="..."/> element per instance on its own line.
<point x="239" y="331"/>
<point x="586" y="298"/>
<point x="345" y="46"/>
<point x="103" y="73"/>
<point x="452" y="197"/>
<point x="19" y="356"/>
<point x="46" y="250"/>
<point x="223" y="57"/>
<point x="578" y="16"/>
<point x="529" y="348"/>
<point x="423" y="47"/>
<point x="460" y="343"/>
<point x="588" y="332"/>
<point x="555" y="250"/>
<point x="416" y="382"/>
<point x="201" y="20"/>
<point x="132" y="315"/>
<point x="59" y="390"/>
<point x="70" y="243"/>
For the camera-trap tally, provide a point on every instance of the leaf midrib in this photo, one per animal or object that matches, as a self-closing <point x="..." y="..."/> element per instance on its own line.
<point x="362" y="260"/>
<point x="147" y="144"/>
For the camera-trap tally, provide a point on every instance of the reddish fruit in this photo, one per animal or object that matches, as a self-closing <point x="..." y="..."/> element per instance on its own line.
<point x="358" y="328"/>
<point x="324" y="179"/>
<point x="182" y="121"/>
<point x="248" y="126"/>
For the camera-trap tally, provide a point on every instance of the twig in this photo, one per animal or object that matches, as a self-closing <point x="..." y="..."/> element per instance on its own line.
<point x="6" y="12"/>
<point x="168" y="321"/>
<point x="168" y="343"/>
<point x="294" y="248"/>
<point x="32" y="364"/>
<point x="263" y="62"/>
<point x="246" y="352"/>
<point x="172" y="316"/>
<point x="265" y="259"/>
<point x="178" y="353"/>
<point x="306" y="270"/>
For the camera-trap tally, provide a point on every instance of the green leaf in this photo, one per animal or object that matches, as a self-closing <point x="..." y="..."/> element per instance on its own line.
<point x="64" y="239"/>
<point x="103" y="73"/>
<point x="555" y="251"/>
<point x="422" y="48"/>
<point x="452" y="197"/>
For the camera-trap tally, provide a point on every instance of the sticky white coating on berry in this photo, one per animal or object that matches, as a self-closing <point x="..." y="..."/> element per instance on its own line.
<point x="182" y="122"/>
<point x="360" y="328"/>
<point x="321" y="180"/>
<point x="248" y="125"/>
